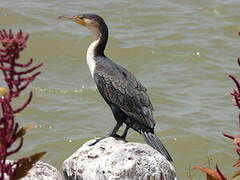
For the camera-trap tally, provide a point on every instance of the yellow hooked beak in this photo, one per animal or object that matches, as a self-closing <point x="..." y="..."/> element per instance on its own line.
<point x="76" y="19"/>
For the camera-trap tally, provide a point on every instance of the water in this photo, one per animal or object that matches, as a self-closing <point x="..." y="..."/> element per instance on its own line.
<point x="181" y="50"/>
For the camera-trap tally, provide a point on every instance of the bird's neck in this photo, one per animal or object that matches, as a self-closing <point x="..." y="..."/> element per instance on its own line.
<point x="100" y="40"/>
<point x="91" y="57"/>
<point x="97" y="47"/>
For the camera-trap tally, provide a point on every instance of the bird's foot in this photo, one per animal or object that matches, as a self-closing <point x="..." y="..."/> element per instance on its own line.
<point x="96" y="141"/>
<point x="122" y="137"/>
<point x="103" y="137"/>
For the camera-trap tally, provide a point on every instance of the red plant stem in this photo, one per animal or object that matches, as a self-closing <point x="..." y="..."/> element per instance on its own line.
<point x="238" y="151"/>
<point x="29" y="70"/>
<point x="228" y="136"/>
<point x="236" y="82"/>
<point x="220" y="173"/>
<point x="239" y="120"/>
<point x="24" y="65"/>
<point x="24" y="105"/>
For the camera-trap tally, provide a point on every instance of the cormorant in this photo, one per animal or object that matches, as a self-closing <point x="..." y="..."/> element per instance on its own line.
<point x="126" y="96"/>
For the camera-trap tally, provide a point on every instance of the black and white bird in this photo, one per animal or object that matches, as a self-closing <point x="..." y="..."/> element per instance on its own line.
<point x="126" y="96"/>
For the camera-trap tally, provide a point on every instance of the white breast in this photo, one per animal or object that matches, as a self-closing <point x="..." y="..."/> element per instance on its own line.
<point x="90" y="56"/>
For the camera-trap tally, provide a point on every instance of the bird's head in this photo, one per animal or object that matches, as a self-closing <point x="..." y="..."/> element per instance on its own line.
<point x="91" y="21"/>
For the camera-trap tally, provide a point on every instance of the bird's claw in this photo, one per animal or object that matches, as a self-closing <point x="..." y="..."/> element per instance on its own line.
<point x="101" y="138"/>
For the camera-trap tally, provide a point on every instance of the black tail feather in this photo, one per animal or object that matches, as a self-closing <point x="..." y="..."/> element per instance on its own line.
<point x="155" y="142"/>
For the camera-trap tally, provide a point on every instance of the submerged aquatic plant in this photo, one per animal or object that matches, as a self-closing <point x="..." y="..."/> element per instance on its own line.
<point x="17" y="77"/>
<point x="217" y="174"/>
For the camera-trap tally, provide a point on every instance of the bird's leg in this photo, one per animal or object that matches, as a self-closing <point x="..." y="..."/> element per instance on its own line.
<point x="123" y="136"/>
<point x="112" y="133"/>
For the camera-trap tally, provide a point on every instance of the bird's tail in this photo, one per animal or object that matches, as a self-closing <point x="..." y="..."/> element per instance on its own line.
<point x="155" y="142"/>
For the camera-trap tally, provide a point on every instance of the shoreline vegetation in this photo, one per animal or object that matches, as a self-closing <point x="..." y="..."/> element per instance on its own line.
<point x="17" y="77"/>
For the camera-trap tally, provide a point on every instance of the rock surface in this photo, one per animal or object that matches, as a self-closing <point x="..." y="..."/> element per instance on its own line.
<point x="112" y="159"/>
<point x="43" y="171"/>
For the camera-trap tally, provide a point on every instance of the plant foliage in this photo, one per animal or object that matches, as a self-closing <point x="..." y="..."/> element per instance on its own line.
<point x="17" y="77"/>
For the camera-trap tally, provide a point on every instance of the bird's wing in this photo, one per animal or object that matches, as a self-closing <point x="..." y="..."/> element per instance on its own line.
<point x="121" y="88"/>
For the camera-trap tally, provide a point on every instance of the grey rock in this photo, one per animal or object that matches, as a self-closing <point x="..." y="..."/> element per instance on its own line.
<point x="112" y="159"/>
<point x="43" y="171"/>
